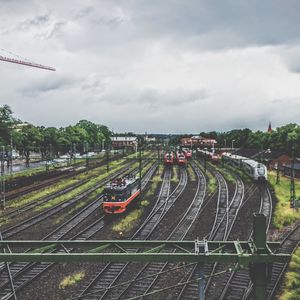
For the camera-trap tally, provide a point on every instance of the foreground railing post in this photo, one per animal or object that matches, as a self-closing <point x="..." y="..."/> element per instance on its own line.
<point x="259" y="270"/>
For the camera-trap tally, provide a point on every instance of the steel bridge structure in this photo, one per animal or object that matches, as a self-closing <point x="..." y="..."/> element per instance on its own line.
<point x="258" y="254"/>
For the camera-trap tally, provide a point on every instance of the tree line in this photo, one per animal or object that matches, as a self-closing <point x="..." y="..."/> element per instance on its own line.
<point x="50" y="141"/>
<point x="283" y="138"/>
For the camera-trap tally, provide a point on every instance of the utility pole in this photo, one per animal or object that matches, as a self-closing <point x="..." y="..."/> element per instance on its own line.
<point x="2" y="180"/>
<point x="140" y="168"/>
<point x="158" y="160"/>
<point x="11" y="155"/>
<point x="107" y="159"/>
<point x="277" y="174"/>
<point x="292" y="185"/>
<point x="201" y="282"/>
<point x="86" y="154"/>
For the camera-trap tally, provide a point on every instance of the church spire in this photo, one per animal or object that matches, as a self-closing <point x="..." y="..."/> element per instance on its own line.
<point x="270" y="127"/>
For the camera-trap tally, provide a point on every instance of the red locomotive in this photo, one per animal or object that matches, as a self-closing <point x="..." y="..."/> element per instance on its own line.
<point x="169" y="158"/>
<point x="119" y="194"/>
<point x="181" y="159"/>
<point x="214" y="158"/>
<point x="187" y="153"/>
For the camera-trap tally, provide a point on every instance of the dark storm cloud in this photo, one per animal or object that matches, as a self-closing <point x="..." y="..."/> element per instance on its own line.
<point x="154" y="65"/>
<point x="34" y="22"/>
<point x="157" y="99"/>
<point x="244" y="23"/>
<point x="49" y="85"/>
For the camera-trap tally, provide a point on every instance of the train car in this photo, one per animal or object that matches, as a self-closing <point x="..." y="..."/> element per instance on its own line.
<point x="213" y="157"/>
<point x="254" y="169"/>
<point x="119" y="194"/>
<point x="188" y="153"/>
<point x="181" y="159"/>
<point x="169" y="158"/>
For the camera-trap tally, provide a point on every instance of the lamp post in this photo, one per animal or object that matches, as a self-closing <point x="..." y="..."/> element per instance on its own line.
<point x="140" y="168"/>
<point x="2" y="187"/>
<point x="292" y="184"/>
<point x="232" y="144"/>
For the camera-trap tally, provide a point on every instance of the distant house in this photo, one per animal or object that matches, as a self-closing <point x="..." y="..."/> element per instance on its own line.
<point x="287" y="170"/>
<point x="150" y="139"/>
<point x="279" y="162"/>
<point x="274" y="158"/>
<point x="118" y="142"/>
<point x="197" y="141"/>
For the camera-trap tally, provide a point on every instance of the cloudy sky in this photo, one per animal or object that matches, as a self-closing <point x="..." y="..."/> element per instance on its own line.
<point x="157" y="66"/>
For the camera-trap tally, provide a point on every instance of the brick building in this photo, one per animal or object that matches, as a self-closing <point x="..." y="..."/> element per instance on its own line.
<point x="197" y="141"/>
<point x="119" y="142"/>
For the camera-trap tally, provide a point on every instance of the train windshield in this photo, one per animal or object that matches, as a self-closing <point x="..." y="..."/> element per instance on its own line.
<point x="113" y="195"/>
<point x="260" y="169"/>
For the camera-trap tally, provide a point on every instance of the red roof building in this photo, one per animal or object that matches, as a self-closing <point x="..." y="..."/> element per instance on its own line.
<point x="198" y="141"/>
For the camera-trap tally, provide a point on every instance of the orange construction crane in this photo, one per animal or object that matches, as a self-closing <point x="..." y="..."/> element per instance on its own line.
<point x="25" y="63"/>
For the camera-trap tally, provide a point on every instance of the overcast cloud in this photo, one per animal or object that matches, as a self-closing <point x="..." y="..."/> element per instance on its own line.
<point x="155" y="66"/>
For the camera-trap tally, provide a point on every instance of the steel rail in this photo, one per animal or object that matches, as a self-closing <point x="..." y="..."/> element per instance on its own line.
<point x="112" y="272"/>
<point x="26" y="273"/>
<point x="222" y="226"/>
<point x="237" y="283"/>
<point x="13" y="230"/>
<point x="151" y="271"/>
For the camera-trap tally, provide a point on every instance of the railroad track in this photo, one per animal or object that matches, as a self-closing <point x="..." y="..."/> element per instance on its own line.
<point x="289" y="243"/>
<point x="148" y="276"/>
<point x="23" y="273"/>
<point x="288" y="246"/>
<point x="190" y="290"/>
<point x="13" y="230"/>
<point x="11" y="213"/>
<point x="73" y="171"/>
<point x="113" y="271"/>
<point x="29" y="206"/>
<point x="238" y="283"/>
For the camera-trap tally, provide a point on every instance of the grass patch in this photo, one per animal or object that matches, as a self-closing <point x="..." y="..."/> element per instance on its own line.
<point x="42" y="193"/>
<point x="175" y="177"/>
<point x="127" y="223"/>
<point x="3" y="221"/>
<point x="243" y="175"/>
<point x="191" y="173"/>
<point x="283" y="214"/>
<point x="212" y="184"/>
<point x="71" y="280"/>
<point x="154" y="182"/>
<point x="292" y="279"/>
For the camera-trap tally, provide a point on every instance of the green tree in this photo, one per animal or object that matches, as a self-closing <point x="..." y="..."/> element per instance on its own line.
<point x="6" y="123"/>
<point x="28" y="139"/>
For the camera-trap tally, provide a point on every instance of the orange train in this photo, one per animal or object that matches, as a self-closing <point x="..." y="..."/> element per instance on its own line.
<point x="119" y="194"/>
